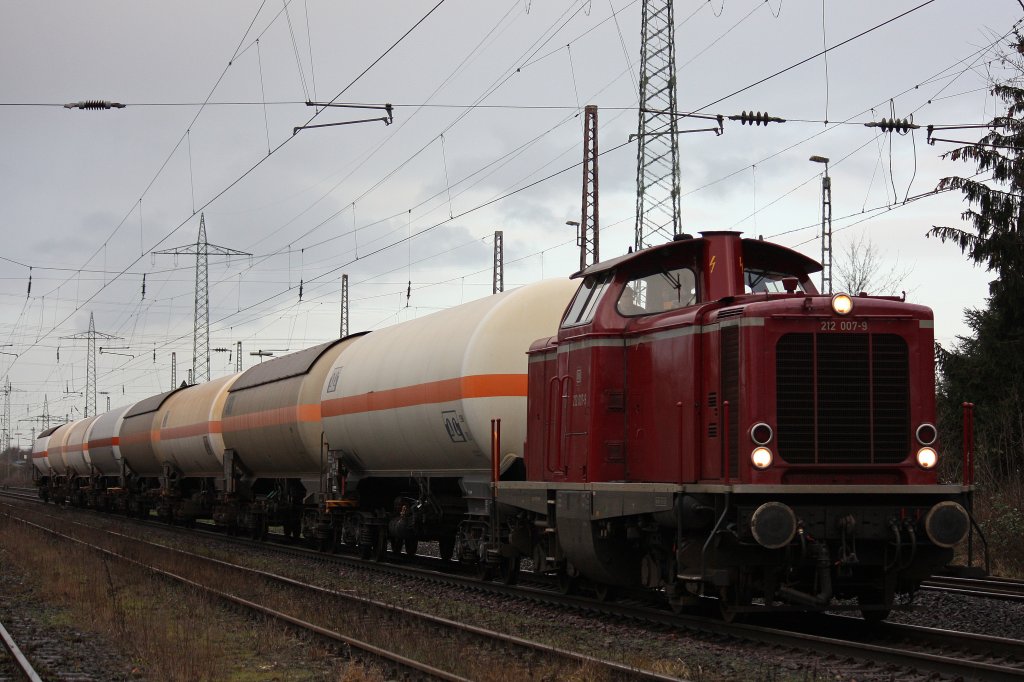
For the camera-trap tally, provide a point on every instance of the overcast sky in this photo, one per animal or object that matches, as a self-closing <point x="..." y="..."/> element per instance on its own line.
<point x="486" y="101"/>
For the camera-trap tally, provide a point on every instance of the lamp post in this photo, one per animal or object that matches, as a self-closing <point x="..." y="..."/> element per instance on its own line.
<point x="826" y="226"/>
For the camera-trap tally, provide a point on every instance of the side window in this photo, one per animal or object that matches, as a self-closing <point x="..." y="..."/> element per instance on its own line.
<point x="658" y="292"/>
<point x="585" y="303"/>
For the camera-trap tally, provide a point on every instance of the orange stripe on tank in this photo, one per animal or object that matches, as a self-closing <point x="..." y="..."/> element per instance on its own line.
<point x="104" y="442"/>
<point x="446" y="390"/>
<point x="187" y="431"/>
<point x="301" y="414"/>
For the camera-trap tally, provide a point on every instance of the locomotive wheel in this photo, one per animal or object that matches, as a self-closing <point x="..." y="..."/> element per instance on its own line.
<point x="411" y="545"/>
<point x="365" y="551"/>
<point x="728" y="601"/>
<point x="604" y="592"/>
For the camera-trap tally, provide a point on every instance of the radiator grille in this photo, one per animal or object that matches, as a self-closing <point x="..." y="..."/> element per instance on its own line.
<point x="842" y="398"/>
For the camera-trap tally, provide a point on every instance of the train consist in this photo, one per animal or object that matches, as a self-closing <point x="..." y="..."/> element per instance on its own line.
<point x="693" y="418"/>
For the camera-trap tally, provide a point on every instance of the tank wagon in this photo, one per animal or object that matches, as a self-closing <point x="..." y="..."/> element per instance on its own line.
<point x="694" y="419"/>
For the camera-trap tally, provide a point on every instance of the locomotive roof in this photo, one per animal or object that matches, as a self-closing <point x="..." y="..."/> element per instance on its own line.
<point x="762" y="251"/>
<point x="284" y="367"/>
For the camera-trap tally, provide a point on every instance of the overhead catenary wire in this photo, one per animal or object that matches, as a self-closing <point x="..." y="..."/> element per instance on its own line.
<point x="353" y="210"/>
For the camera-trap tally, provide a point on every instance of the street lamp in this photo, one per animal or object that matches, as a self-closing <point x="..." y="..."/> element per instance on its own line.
<point x="268" y="353"/>
<point x="826" y="226"/>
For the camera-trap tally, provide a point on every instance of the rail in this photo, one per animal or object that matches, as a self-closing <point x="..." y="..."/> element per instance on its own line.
<point x="19" y="658"/>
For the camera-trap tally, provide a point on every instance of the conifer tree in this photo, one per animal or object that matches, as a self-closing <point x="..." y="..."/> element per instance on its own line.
<point x="987" y="367"/>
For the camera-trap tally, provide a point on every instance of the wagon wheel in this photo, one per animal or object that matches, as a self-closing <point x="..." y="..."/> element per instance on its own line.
<point x="604" y="592"/>
<point x="873" y="598"/>
<point x="446" y="545"/>
<point x="484" y="571"/>
<point x="380" y="546"/>
<point x="508" y="570"/>
<point x="566" y="583"/>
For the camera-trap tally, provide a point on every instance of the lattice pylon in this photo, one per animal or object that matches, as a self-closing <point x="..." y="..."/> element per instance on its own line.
<point x="201" y="327"/>
<point x="343" y="329"/>
<point x="590" y="232"/>
<point x="90" y="363"/>
<point x="657" y="159"/>
<point x="498" y="271"/>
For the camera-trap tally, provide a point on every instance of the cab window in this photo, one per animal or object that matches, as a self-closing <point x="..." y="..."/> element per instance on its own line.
<point x="585" y="303"/>
<point x="657" y="292"/>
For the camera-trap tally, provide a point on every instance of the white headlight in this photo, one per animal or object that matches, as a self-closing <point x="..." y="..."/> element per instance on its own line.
<point x="842" y="304"/>
<point x="761" y="458"/>
<point x="927" y="458"/>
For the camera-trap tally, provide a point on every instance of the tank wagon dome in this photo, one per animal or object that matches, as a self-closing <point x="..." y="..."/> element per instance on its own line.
<point x="419" y="396"/>
<point x="137" y="434"/>
<point x="187" y="428"/>
<point x="40" y="454"/>
<point x="104" y="441"/>
<point x="76" y="451"/>
<point x="272" y="420"/>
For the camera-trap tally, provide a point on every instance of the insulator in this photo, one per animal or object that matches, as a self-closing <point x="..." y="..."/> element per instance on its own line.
<point x="756" y="118"/>
<point x="94" y="104"/>
<point x="889" y="125"/>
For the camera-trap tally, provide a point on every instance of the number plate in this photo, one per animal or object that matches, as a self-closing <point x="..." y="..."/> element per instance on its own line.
<point x="843" y="326"/>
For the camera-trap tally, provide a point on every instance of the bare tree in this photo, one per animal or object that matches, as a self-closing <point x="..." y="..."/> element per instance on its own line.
<point x="860" y="267"/>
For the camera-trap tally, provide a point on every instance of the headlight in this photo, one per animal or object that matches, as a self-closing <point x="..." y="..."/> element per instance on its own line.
<point x="842" y="304"/>
<point x="761" y="458"/>
<point x="927" y="458"/>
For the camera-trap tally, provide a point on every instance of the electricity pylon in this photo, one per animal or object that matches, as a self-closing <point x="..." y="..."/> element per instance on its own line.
<point x="201" y="332"/>
<point x="657" y="156"/>
<point x="90" y="363"/>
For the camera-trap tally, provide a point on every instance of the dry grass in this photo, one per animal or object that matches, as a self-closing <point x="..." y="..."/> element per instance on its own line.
<point x="999" y="510"/>
<point x="168" y="632"/>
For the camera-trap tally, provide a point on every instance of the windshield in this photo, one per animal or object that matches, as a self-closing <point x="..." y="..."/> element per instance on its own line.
<point x="658" y="292"/>
<point x="757" y="281"/>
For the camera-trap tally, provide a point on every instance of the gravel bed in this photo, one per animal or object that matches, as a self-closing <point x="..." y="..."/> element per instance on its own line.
<point x="55" y="649"/>
<point x="694" y="657"/>
<point x="978" y="615"/>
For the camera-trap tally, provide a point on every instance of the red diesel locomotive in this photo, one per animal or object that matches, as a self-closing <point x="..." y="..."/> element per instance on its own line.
<point x="706" y="422"/>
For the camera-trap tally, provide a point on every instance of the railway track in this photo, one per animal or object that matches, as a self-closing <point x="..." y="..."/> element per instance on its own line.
<point x="910" y="648"/>
<point x="400" y="644"/>
<point x="1008" y="589"/>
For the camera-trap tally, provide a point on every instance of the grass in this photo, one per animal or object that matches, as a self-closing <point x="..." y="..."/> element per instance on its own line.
<point x="168" y="633"/>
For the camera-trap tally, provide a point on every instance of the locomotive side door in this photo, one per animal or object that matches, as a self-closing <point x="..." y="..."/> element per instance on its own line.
<point x="720" y="404"/>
